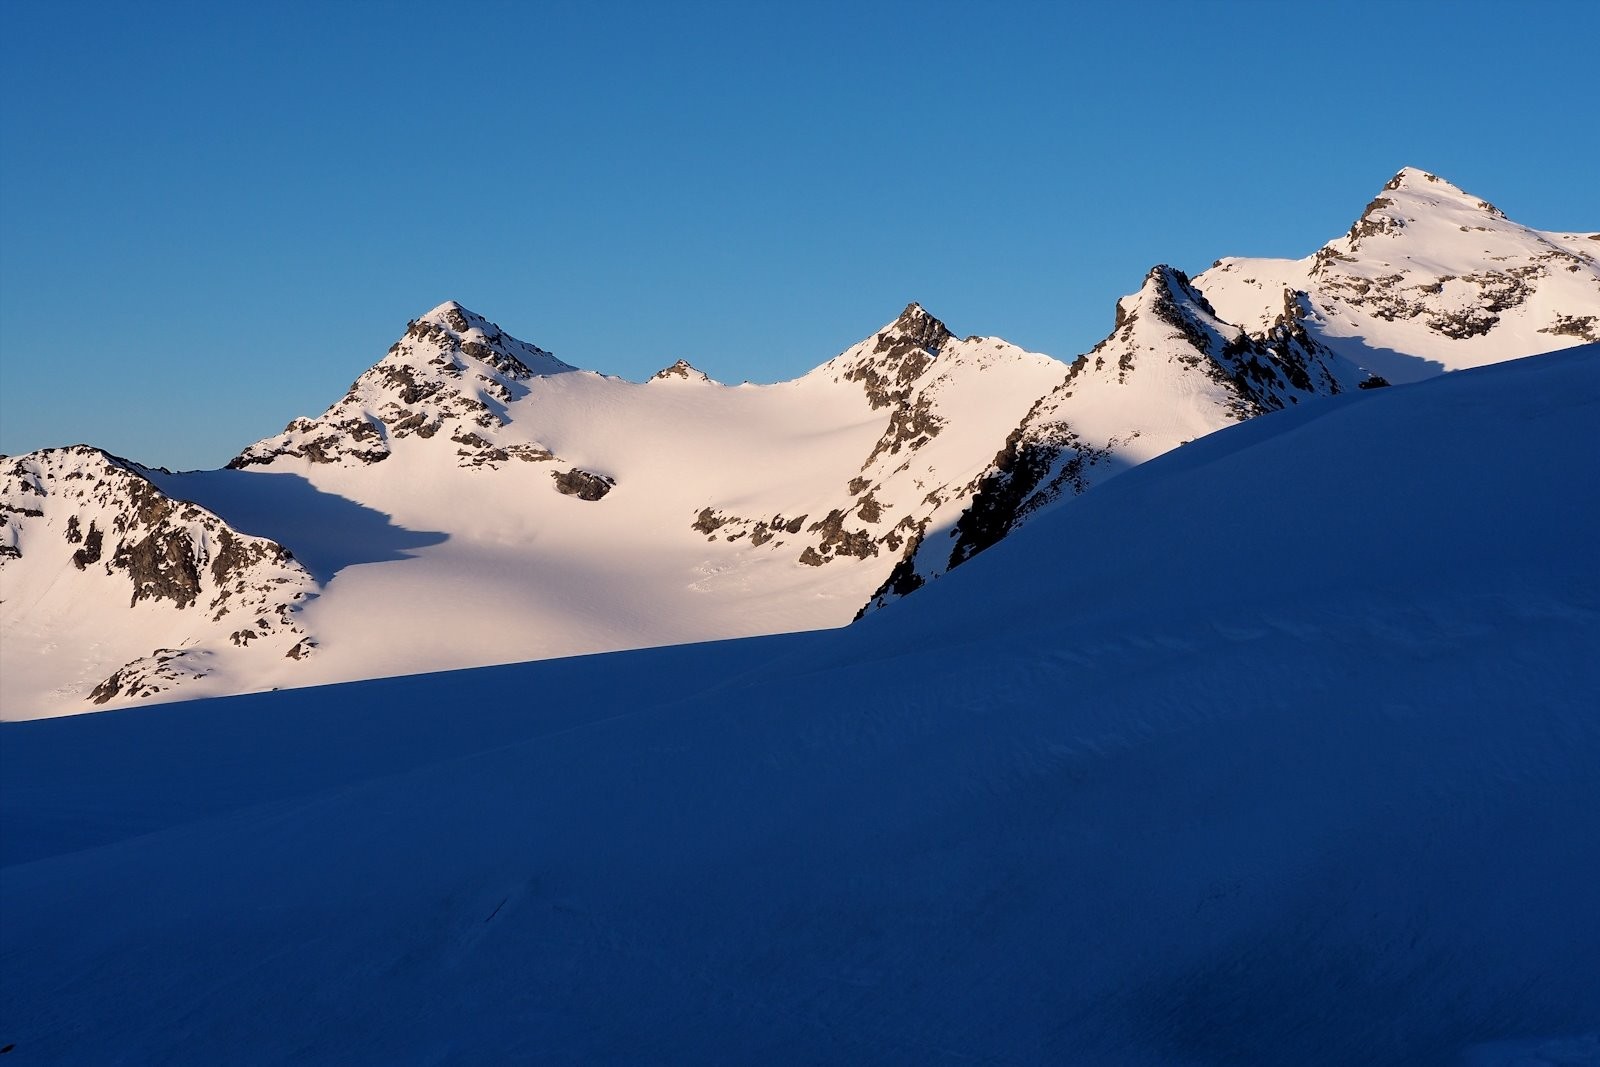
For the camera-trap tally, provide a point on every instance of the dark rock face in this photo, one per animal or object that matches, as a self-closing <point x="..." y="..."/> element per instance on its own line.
<point x="92" y="544"/>
<point x="458" y="321"/>
<point x="835" y="540"/>
<point x="1041" y="461"/>
<point x="234" y="555"/>
<point x="1017" y="472"/>
<point x="681" y="369"/>
<point x="912" y="424"/>
<point x="234" y="588"/>
<point x="1373" y="221"/>
<point x="325" y="444"/>
<point x="1393" y="297"/>
<point x="708" y="522"/>
<point x="152" y="674"/>
<point x="760" y="531"/>
<point x="161" y="567"/>
<point x="914" y="329"/>
<point x="582" y="484"/>
<point x="903" y="580"/>
<point x="901" y="355"/>
<point x="1584" y="327"/>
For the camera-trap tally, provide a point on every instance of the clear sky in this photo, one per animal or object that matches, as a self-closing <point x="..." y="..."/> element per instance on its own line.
<point x="213" y="217"/>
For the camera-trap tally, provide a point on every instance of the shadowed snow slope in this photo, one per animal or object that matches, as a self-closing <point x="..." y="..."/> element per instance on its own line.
<point x="1278" y="749"/>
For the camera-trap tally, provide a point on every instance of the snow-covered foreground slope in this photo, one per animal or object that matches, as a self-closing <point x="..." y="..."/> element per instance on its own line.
<point x="1280" y="748"/>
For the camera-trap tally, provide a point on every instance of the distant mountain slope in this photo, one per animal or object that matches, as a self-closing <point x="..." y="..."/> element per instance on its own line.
<point x="1171" y="371"/>
<point x="472" y="499"/>
<point x="453" y="372"/>
<point x="1279" y="749"/>
<point x="115" y="591"/>
<point x="1429" y="278"/>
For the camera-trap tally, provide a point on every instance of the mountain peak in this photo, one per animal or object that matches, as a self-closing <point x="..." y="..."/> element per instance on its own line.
<point x="683" y="370"/>
<point x="914" y="328"/>
<point x="1164" y="279"/>
<point x="454" y="327"/>
<point x="1413" y="179"/>
<point x="1165" y="291"/>
<point x="452" y="316"/>
<point x="1412" y="195"/>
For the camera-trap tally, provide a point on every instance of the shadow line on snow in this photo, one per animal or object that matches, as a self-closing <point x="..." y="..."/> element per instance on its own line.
<point x="325" y="531"/>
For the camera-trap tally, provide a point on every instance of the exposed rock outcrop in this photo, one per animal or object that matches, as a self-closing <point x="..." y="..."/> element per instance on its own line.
<point x="84" y="512"/>
<point x="582" y="484"/>
<point x="452" y="372"/>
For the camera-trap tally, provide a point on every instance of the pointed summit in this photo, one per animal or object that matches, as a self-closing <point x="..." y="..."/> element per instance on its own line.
<point x="1168" y="282"/>
<point x="1432" y="189"/>
<point x="1168" y="296"/>
<point x="1414" y="195"/>
<point x="1415" y="178"/>
<point x="451" y="373"/>
<point x="914" y="327"/>
<point x="452" y="328"/>
<point x="682" y="370"/>
<point x="1429" y="278"/>
<point x="898" y="355"/>
<point x="452" y="316"/>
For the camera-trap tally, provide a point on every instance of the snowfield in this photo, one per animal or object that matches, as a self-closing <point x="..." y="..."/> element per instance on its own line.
<point x="473" y="500"/>
<point x="1279" y="748"/>
<point x="424" y="505"/>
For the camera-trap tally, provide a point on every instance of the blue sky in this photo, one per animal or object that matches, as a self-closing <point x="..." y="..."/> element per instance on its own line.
<point x="212" y="217"/>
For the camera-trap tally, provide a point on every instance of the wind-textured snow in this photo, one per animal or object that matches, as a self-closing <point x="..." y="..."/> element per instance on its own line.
<point x="1279" y="748"/>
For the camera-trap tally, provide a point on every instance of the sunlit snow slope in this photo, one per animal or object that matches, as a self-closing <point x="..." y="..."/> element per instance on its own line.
<point x="474" y="500"/>
<point x="1280" y="748"/>
<point x="1429" y="278"/>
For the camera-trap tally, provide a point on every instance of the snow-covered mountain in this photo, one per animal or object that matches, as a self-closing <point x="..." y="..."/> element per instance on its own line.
<point x="474" y="500"/>
<point x="115" y="591"/>
<point x="1429" y="278"/>
<point x="1279" y="749"/>
<point x="1170" y="372"/>
<point x="453" y="373"/>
